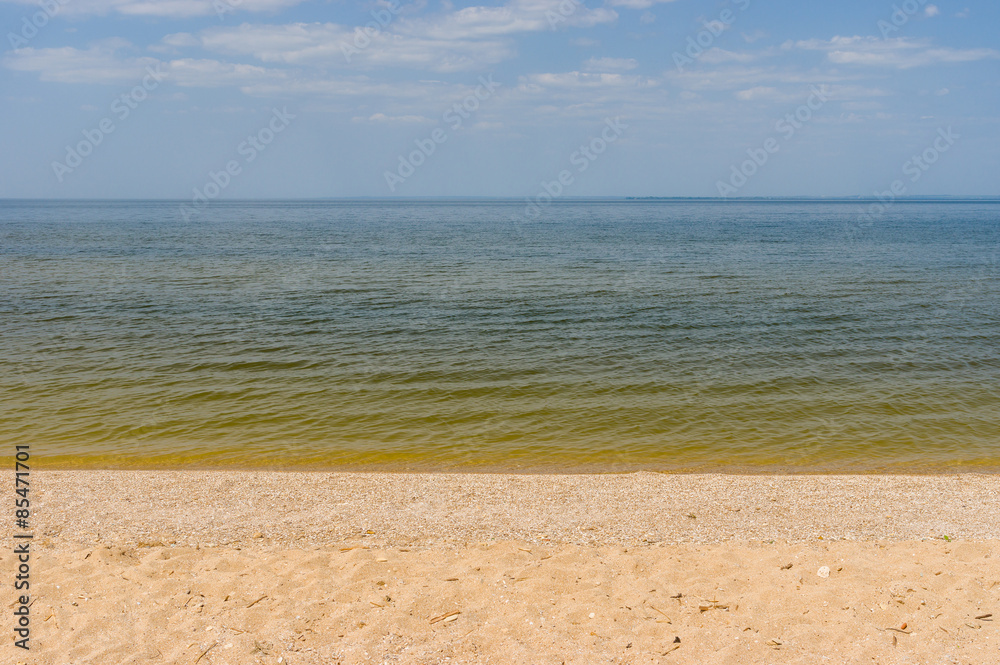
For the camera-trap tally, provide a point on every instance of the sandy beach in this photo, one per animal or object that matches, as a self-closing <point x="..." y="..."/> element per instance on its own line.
<point x="301" y="568"/>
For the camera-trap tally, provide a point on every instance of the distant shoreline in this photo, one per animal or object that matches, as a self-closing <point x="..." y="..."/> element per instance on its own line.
<point x="519" y="200"/>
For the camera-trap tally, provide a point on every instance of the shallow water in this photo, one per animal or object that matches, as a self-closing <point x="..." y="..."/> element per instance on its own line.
<point x="598" y="336"/>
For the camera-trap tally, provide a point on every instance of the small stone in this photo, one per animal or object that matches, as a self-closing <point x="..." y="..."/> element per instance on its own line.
<point x="258" y="534"/>
<point x="824" y="571"/>
<point x="592" y="615"/>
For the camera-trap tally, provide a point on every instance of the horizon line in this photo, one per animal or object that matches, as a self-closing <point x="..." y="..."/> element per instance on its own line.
<point x="520" y="199"/>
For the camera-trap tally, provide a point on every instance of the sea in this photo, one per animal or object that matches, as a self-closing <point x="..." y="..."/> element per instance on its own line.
<point x="490" y="335"/>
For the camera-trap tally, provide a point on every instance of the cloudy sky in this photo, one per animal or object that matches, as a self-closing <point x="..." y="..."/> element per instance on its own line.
<point x="341" y="98"/>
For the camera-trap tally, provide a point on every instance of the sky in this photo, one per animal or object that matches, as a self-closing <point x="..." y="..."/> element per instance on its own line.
<point x="231" y="99"/>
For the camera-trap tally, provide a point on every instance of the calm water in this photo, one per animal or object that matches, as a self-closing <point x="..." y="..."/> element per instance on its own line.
<point x="601" y="335"/>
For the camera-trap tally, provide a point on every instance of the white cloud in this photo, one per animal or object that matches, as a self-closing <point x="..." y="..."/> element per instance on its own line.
<point x="610" y="64"/>
<point x="931" y="10"/>
<point x="103" y="65"/>
<point x="739" y="77"/>
<point x="181" y="39"/>
<point x="861" y="106"/>
<point x="758" y="92"/>
<point x="583" y="80"/>
<point x="97" y="64"/>
<point x="205" y="73"/>
<point x="174" y="43"/>
<point x="167" y="8"/>
<point x="113" y="63"/>
<point x="466" y="39"/>
<point x="635" y="4"/>
<point x="515" y="16"/>
<point x="324" y="43"/>
<point x="899" y="53"/>
<point x="394" y="119"/>
<point x="717" y="55"/>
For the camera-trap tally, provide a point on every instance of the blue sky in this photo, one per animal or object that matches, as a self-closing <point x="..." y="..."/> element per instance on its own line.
<point x="290" y="98"/>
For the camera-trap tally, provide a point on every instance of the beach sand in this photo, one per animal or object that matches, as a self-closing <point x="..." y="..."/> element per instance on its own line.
<point x="271" y="567"/>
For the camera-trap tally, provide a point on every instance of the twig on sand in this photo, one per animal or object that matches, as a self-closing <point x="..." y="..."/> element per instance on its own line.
<point x="655" y="608"/>
<point x="205" y="652"/>
<point x="445" y="617"/>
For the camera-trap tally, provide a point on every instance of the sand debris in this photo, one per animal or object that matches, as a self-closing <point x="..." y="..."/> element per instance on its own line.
<point x="205" y="652"/>
<point x="445" y="617"/>
<point x="656" y="609"/>
<point x="713" y="605"/>
<point x="899" y="630"/>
